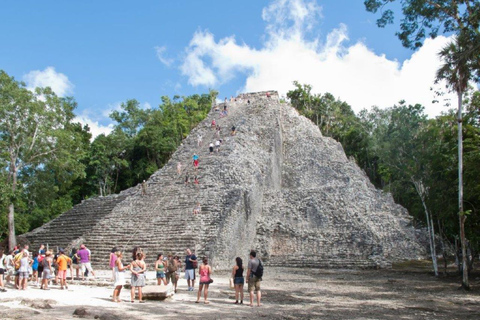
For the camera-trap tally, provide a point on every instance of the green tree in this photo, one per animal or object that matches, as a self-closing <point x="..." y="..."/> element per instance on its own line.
<point x="428" y="18"/>
<point x="34" y="128"/>
<point x="456" y="70"/>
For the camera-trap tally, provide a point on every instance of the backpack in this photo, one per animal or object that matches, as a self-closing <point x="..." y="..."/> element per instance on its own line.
<point x="172" y="266"/>
<point x="259" y="272"/>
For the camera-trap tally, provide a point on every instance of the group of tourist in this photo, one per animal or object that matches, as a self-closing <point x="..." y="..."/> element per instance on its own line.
<point x="167" y="270"/>
<point x="20" y="265"/>
<point x="42" y="267"/>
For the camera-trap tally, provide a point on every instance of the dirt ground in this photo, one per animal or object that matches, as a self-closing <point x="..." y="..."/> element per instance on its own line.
<point x="399" y="293"/>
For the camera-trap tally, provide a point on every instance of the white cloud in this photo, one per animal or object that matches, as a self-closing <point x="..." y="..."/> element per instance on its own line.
<point x="57" y="81"/>
<point x="354" y="73"/>
<point x="117" y="106"/>
<point x="146" y="106"/>
<point x="96" y="128"/>
<point x="94" y="119"/>
<point x="161" y="56"/>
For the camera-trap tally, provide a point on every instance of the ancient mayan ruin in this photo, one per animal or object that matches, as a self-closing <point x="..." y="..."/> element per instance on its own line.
<point x="277" y="186"/>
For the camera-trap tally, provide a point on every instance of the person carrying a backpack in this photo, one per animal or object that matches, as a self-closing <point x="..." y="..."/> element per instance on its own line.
<point x="254" y="276"/>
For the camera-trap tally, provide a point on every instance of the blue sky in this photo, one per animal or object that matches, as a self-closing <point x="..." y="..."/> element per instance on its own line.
<point x="105" y="52"/>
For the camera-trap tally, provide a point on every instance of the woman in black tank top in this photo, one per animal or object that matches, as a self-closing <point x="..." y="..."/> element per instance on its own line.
<point x="238" y="279"/>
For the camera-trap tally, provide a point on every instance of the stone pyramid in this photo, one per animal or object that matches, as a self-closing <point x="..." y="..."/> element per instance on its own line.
<point x="277" y="186"/>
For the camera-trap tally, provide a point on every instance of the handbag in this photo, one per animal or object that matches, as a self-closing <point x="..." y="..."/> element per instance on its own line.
<point x="210" y="281"/>
<point x="232" y="285"/>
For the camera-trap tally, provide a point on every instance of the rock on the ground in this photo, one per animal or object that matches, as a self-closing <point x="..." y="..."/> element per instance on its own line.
<point x="38" y="304"/>
<point x="81" y="312"/>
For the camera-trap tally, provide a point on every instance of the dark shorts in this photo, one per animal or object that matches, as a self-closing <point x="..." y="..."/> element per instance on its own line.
<point x="211" y="149"/>
<point x="239" y="280"/>
<point x="2" y="271"/>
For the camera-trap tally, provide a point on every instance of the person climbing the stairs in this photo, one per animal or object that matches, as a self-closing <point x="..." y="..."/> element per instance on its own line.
<point x="195" y="161"/>
<point x="211" y="147"/>
<point x="197" y="208"/>
<point x="195" y="181"/>
<point x="199" y="140"/>
<point x="179" y="168"/>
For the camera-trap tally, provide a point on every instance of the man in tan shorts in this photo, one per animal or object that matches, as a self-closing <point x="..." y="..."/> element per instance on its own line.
<point x="253" y="280"/>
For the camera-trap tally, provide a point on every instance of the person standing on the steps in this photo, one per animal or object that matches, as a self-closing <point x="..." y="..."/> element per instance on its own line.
<point x="195" y="161"/>
<point x="195" y="181"/>
<point x="144" y="188"/>
<point x="197" y="208"/>
<point x="217" y="145"/>
<point x="190" y="265"/>
<point x="211" y="147"/>
<point x="199" y="140"/>
<point x="186" y="178"/>
<point x="179" y="168"/>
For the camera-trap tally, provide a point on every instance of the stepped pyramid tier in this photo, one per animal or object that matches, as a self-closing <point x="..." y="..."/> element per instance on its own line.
<point x="277" y="186"/>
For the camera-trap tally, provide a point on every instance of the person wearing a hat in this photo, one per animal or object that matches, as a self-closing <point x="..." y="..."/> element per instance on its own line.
<point x="63" y="261"/>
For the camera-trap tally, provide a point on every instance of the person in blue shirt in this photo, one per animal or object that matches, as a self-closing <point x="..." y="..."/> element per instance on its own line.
<point x="190" y="265"/>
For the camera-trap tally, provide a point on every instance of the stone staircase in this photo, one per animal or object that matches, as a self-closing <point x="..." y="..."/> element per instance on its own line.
<point x="75" y="223"/>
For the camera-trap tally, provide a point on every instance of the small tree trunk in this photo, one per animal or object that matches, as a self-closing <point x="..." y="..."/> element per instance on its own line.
<point x="12" y="240"/>
<point x="457" y="256"/>
<point x="461" y="215"/>
<point x="444" y="249"/>
<point x="431" y="233"/>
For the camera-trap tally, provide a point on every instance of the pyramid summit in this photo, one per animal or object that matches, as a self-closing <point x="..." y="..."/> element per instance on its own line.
<point x="277" y="186"/>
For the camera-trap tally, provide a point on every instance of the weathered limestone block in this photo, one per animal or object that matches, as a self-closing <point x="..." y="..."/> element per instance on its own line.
<point x="157" y="292"/>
